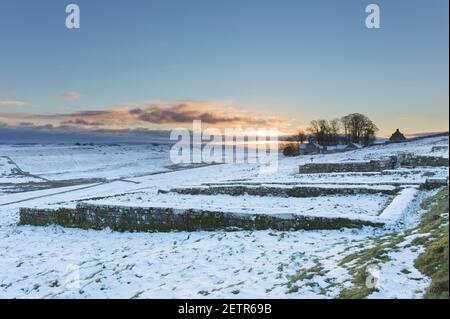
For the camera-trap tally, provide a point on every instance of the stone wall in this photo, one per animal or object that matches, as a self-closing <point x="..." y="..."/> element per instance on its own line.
<point x="410" y="160"/>
<point x="304" y="191"/>
<point x="150" y="219"/>
<point x="404" y="160"/>
<point x="372" y="166"/>
<point x="433" y="183"/>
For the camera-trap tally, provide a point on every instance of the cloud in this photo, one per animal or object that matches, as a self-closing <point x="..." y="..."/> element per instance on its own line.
<point x="169" y="113"/>
<point x="184" y="113"/>
<point x="413" y="119"/>
<point x="160" y="114"/>
<point x="71" y="95"/>
<point x="11" y="103"/>
<point x="81" y="122"/>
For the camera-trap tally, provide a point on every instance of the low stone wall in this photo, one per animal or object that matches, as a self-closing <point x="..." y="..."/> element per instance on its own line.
<point x="150" y="219"/>
<point x="433" y="183"/>
<point x="372" y="166"/>
<point x="239" y="190"/>
<point x="414" y="161"/>
<point x="407" y="160"/>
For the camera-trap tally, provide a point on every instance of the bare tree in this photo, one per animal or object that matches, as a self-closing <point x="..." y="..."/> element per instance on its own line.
<point x="301" y="136"/>
<point x="358" y="128"/>
<point x="346" y="126"/>
<point x="369" y="131"/>
<point x="316" y="130"/>
<point x="323" y="131"/>
<point x="334" y="128"/>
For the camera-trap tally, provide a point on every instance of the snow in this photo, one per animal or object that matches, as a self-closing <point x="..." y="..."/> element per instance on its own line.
<point x="45" y="262"/>
<point x="159" y="265"/>
<point x="302" y="185"/>
<point x="331" y="206"/>
<point x="10" y="173"/>
<point x="398" y="278"/>
<point x="88" y="161"/>
<point x="399" y="206"/>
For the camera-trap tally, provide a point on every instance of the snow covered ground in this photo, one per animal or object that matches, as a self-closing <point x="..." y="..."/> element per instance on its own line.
<point x="317" y="206"/>
<point x="56" y="262"/>
<point x="10" y="173"/>
<point x="58" y="162"/>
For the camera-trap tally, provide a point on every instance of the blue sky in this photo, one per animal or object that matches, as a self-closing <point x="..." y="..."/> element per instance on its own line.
<point x="289" y="61"/>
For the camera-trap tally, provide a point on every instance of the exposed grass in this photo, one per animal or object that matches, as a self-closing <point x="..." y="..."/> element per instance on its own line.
<point x="357" y="264"/>
<point x="359" y="289"/>
<point x="304" y="276"/>
<point x="433" y="262"/>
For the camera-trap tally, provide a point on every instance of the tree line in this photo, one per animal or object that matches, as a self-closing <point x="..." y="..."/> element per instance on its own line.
<point x="352" y="128"/>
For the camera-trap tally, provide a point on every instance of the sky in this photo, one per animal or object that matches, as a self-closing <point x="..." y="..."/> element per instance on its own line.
<point x="159" y="64"/>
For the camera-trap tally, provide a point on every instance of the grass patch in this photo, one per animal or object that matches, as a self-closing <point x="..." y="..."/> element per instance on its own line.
<point x="359" y="289"/>
<point x="358" y="262"/>
<point x="305" y="275"/>
<point x="433" y="262"/>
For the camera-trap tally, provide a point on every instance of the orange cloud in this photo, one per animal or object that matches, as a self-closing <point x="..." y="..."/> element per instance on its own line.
<point x="164" y="113"/>
<point x="173" y="113"/>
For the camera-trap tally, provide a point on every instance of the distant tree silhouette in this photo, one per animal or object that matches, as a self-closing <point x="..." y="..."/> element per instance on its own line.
<point x="357" y="128"/>
<point x="301" y="137"/>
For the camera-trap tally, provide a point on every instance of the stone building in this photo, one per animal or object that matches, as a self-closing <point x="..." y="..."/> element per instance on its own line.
<point x="397" y="136"/>
<point x="310" y="148"/>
